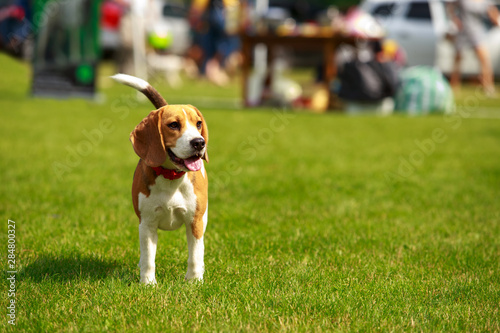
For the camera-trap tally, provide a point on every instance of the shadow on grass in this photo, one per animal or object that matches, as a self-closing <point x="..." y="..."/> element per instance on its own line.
<point x="67" y="267"/>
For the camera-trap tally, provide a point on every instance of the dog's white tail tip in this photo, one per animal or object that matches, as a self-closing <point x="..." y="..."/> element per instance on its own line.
<point x="131" y="81"/>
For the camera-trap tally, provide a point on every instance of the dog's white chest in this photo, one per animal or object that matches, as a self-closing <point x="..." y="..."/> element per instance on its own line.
<point x="169" y="205"/>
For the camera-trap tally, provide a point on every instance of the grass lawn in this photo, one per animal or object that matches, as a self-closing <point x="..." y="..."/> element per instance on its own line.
<point x="316" y="222"/>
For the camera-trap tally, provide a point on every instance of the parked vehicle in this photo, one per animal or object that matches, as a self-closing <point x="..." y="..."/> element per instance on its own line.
<point x="417" y="26"/>
<point x="420" y="27"/>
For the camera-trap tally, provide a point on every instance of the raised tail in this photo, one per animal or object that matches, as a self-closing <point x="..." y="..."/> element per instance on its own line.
<point x="143" y="86"/>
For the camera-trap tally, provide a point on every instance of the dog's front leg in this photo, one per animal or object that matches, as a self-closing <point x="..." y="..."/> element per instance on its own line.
<point x="148" y="238"/>
<point x="196" y="249"/>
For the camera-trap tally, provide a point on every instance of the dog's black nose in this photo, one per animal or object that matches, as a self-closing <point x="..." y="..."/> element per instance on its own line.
<point x="198" y="143"/>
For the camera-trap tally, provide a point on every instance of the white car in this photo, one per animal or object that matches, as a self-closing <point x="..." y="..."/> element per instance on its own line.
<point x="420" y="27"/>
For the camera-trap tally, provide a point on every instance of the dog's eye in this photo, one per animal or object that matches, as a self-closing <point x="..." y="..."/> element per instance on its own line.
<point x="174" y="125"/>
<point x="198" y="124"/>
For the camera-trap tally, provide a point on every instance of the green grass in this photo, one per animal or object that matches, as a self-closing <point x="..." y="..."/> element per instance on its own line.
<point x="316" y="222"/>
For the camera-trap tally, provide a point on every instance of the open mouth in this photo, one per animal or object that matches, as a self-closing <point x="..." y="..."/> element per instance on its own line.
<point x="193" y="163"/>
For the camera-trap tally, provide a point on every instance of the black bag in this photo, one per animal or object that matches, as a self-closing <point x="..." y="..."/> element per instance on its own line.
<point x="368" y="81"/>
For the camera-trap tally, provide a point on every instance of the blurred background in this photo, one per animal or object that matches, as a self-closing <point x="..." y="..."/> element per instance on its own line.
<point x="352" y="55"/>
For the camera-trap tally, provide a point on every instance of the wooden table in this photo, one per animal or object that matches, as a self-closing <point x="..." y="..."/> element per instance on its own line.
<point x="325" y="44"/>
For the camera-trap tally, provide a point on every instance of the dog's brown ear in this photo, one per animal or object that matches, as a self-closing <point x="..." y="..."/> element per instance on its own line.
<point x="147" y="140"/>
<point x="204" y="132"/>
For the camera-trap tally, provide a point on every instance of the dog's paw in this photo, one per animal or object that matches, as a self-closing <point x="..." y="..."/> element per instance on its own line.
<point x="150" y="281"/>
<point x="193" y="277"/>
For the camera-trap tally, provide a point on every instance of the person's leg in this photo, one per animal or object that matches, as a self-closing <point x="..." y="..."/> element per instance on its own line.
<point x="230" y="50"/>
<point x="206" y="42"/>
<point x="486" y="69"/>
<point x="214" y="70"/>
<point x="455" y="77"/>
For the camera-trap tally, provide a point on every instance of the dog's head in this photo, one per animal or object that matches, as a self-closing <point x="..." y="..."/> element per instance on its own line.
<point x="174" y="137"/>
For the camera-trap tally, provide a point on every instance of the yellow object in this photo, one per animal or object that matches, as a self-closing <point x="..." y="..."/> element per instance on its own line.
<point x="390" y="47"/>
<point x="319" y="99"/>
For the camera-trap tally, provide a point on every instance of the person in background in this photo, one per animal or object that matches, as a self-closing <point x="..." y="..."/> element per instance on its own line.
<point x="215" y="24"/>
<point x="468" y="15"/>
<point x="15" y="26"/>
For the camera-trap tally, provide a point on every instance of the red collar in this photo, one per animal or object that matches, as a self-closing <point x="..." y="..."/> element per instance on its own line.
<point x="168" y="173"/>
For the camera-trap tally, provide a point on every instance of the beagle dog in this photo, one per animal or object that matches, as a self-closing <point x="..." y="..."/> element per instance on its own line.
<point x="170" y="182"/>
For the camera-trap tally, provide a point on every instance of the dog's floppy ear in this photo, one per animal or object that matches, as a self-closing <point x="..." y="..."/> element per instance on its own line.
<point x="147" y="140"/>
<point x="204" y="132"/>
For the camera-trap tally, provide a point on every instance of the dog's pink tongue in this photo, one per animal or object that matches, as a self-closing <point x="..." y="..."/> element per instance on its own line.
<point x="193" y="163"/>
